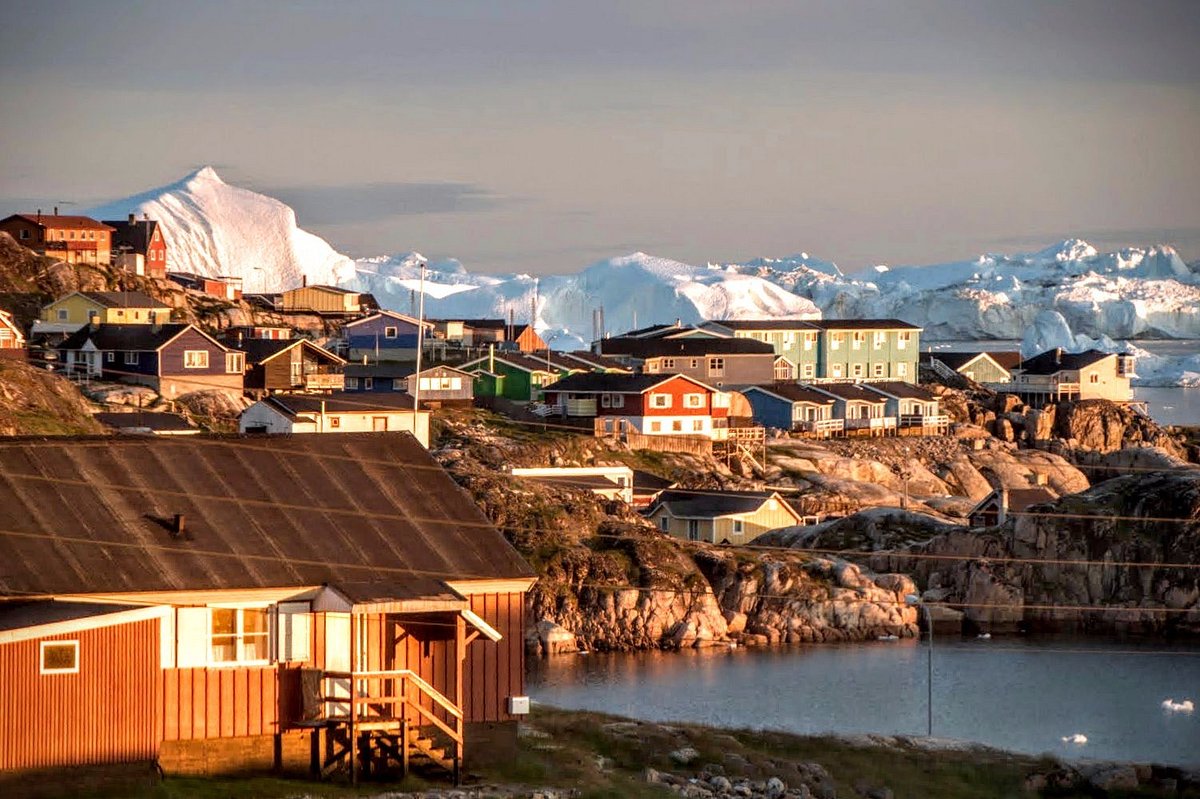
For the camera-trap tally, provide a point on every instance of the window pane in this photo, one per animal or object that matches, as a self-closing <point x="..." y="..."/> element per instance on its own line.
<point x="224" y="648"/>
<point x="224" y="621"/>
<point x="254" y="620"/>
<point x="56" y="657"/>
<point x="254" y="647"/>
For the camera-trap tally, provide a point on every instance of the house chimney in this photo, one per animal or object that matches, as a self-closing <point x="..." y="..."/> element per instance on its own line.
<point x="303" y="281"/>
<point x="56" y="210"/>
<point x="145" y="216"/>
<point x="1058" y="356"/>
<point x="178" y="526"/>
<point x="1002" y="511"/>
<point x="39" y="216"/>
<point x="132" y="218"/>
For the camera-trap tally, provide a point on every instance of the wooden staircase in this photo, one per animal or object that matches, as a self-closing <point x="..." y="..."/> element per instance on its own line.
<point x="395" y="722"/>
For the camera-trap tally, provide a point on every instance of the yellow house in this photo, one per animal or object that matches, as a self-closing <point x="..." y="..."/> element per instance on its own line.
<point x="105" y="307"/>
<point x="321" y="299"/>
<point x="718" y="516"/>
<point x="1057" y="376"/>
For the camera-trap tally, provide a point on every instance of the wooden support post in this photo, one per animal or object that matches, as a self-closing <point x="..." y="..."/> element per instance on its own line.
<point x="404" y="746"/>
<point x="460" y="649"/>
<point x="353" y="742"/>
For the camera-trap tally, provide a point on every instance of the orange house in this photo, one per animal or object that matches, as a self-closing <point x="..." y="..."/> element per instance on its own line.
<point x="213" y="603"/>
<point x="74" y="239"/>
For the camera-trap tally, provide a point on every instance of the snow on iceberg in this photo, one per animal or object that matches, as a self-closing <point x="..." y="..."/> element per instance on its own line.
<point x="212" y="229"/>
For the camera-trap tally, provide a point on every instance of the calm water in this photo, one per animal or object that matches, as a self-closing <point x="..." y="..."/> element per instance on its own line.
<point x="1014" y="694"/>
<point x="1166" y="405"/>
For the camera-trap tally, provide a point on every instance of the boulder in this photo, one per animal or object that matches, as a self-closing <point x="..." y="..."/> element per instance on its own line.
<point x="684" y="756"/>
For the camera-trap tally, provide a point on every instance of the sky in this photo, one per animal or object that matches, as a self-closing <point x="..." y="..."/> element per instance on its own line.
<point x="543" y="136"/>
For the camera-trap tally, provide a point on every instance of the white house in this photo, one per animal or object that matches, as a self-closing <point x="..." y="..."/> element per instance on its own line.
<point x="337" y="412"/>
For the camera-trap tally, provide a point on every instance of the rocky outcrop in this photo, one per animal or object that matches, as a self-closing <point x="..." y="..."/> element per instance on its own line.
<point x="36" y="402"/>
<point x="1103" y="426"/>
<point x="1098" y="560"/>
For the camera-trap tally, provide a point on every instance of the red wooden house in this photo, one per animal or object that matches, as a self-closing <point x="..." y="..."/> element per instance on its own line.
<point x="213" y="603"/>
<point x="651" y="404"/>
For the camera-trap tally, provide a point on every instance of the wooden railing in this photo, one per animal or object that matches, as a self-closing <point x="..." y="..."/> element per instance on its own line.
<point x="820" y="426"/>
<point x="392" y="696"/>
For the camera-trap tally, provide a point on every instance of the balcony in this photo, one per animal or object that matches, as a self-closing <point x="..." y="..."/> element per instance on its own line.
<point x="822" y="428"/>
<point x="875" y="425"/>
<point x="321" y="378"/>
<point x="934" y="422"/>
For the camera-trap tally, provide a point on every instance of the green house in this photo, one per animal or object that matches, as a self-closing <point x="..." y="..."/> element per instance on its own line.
<point x="514" y="375"/>
<point x="794" y="339"/>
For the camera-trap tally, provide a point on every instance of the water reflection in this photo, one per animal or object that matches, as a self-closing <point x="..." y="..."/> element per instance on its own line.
<point x="1016" y="694"/>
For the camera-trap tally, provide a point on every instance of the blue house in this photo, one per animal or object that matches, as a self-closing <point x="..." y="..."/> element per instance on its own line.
<point x="790" y="406"/>
<point x="172" y="359"/>
<point x="384" y="336"/>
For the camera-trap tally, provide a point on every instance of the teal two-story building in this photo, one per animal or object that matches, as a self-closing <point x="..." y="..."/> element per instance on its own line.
<point x="835" y="349"/>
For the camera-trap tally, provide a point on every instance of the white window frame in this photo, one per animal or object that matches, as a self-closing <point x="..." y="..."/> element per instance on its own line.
<point x="110" y="357"/>
<point x="902" y="340"/>
<point x="697" y="425"/>
<point x="195" y="359"/>
<point x="235" y="363"/>
<point x="63" y="314"/>
<point x="810" y="371"/>
<point x="878" y="370"/>
<point x="240" y="660"/>
<point x="693" y="400"/>
<point x="880" y="338"/>
<point x="739" y="527"/>
<point x="857" y="339"/>
<point x="716" y="366"/>
<point x="660" y="401"/>
<point x="131" y="358"/>
<point x="835" y="341"/>
<point x="351" y="382"/>
<point x="73" y="644"/>
<point x="618" y="400"/>
<point x="836" y="370"/>
<point x="24" y="234"/>
<point x="668" y="363"/>
<point x="901" y="370"/>
<point x="858" y="369"/>
<point x="391" y="332"/>
<point x="664" y="523"/>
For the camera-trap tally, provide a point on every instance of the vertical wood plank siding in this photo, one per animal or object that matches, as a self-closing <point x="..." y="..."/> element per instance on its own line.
<point x="223" y="702"/>
<point x="495" y="671"/>
<point x="105" y="713"/>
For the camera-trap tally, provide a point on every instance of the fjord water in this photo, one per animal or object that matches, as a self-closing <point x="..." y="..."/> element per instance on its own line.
<point x="1018" y="694"/>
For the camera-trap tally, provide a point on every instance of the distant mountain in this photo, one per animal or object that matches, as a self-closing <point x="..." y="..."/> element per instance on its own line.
<point x="213" y="229"/>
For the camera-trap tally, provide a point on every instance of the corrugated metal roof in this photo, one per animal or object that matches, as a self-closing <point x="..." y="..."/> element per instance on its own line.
<point x="93" y="515"/>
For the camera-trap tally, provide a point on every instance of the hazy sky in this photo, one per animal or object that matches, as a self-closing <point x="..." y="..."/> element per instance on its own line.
<point x="542" y="136"/>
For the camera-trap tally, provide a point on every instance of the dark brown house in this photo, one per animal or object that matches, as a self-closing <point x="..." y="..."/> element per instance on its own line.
<point x="290" y="365"/>
<point x="211" y="603"/>
<point x="715" y="361"/>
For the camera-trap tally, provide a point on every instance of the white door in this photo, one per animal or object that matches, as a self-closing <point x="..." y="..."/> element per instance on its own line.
<point x="337" y="658"/>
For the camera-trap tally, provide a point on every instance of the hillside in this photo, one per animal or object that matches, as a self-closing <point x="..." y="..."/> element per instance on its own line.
<point x="34" y="402"/>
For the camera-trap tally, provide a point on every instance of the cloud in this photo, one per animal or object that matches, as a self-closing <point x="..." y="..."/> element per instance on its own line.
<point x="374" y="202"/>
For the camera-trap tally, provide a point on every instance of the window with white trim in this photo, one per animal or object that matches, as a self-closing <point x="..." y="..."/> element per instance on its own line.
<point x="857" y="369"/>
<point x="837" y="370"/>
<point x="239" y="635"/>
<point x="739" y="527"/>
<point x="131" y="358"/>
<point x="810" y="340"/>
<point x="235" y="363"/>
<point x="835" y="341"/>
<point x="668" y="363"/>
<point x="110" y="357"/>
<point x="62" y="314"/>
<point x="880" y="339"/>
<point x="809" y="371"/>
<point x="351" y="383"/>
<point x="693" y="400"/>
<point x="902" y="340"/>
<point x="716" y="367"/>
<point x="59" y="657"/>
<point x="664" y="523"/>
<point x="878" y="369"/>
<point x="24" y="233"/>
<point x="857" y="340"/>
<point x="293" y="631"/>
<point x="389" y="332"/>
<point x="195" y="359"/>
<point x="901" y="369"/>
<point x="698" y="425"/>
<point x="660" y="401"/>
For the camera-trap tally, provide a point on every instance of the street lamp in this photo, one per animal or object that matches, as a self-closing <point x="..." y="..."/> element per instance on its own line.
<point x="912" y="600"/>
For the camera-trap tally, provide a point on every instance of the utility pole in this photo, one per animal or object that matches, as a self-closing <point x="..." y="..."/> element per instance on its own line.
<point x="420" y="348"/>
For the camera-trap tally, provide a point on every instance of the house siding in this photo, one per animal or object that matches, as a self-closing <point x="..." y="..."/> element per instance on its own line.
<point x="720" y="528"/>
<point x="174" y="379"/>
<point x="363" y="335"/>
<point x="105" y="713"/>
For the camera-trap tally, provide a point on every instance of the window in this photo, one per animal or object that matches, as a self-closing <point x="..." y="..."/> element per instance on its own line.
<point x="693" y="400"/>
<point x="235" y="363"/>
<point x="1093" y="378"/>
<point x="335" y="421"/>
<point x="858" y="369"/>
<point x="660" y="401"/>
<point x="59" y="657"/>
<point x="698" y="425"/>
<point x="716" y="366"/>
<point x="664" y="523"/>
<point x="368" y="383"/>
<point x="695" y="363"/>
<point x="606" y="400"/>
<point x="239" y="635"/>
<point x="131" y="359"/>
<point x="389" y="332"/>
<point x="677" y="426"/>
<point x="668" y="363"/>
<point x="195" y="359"/>
<point x="810" y="370"/>
<point x="62" y="314"/>
<point x="837" y="370"/>
<point x="351" y="383"/>
<point x="739" y="527"/>
<point x="656" y="427"/>
<point x="902" y="340"/>
<point x="693" y="530"/>
<point x="901" y="369"/>
<point x="110" y="357"/>
<point x="835" y="341"/>
<point x="857" y="340"/>
<point x="880" y="339"/>
<point x="809" y="340"/>
<point x="878" y="369"/>
<point x="618" y="400"/>
<point x="24" y="233"/>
